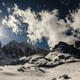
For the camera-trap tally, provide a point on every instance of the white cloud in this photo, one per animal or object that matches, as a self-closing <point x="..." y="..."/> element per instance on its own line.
<point x="3" y="33"/>
<point x="3" y="3"/>
<point x="76" y="19"/>
<point x="49" y="26"/>
<point x="0" y="11"/>
<point x="8" y="9"/>
<point x="75" y="22"/>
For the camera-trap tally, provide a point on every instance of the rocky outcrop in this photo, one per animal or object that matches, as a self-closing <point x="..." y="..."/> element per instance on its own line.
<point x="67" y="49"/>
<point x="64" y="77"/>
<point x="19" y="49"/>
<point x="22" y="49"/>
<point x="54" y="59"/>
<point x="77" y="44"/>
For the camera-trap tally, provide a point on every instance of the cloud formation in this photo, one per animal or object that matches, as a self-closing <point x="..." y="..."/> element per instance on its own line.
<point x="0" y="11"/>
<point x="43" y="24"/>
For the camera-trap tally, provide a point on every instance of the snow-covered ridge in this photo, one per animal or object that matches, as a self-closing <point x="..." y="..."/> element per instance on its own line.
<point x="15" y="53"/>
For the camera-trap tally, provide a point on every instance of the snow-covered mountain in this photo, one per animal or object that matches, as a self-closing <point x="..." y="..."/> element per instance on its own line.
<point x="15" y="53"/>
<point x="17" y="58"/>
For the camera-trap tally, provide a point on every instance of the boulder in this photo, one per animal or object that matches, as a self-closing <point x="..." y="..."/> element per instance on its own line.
<point x="65" y="76"/>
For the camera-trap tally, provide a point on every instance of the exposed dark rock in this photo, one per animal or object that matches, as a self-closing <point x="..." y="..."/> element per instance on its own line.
<point x="65" y="76"/>
<point x="54" y="59"/>
<point x="1" y="69"/>
<point x="77" y="44"/>
<point x="20" y="70"/>
<point x="67" y="49"/>
<point x="41" y="70"/>
<point x="22" y="49"/>
<point x="20" y="61"/>
<point x="54" y="79"/>
<point x="19" y="49"/>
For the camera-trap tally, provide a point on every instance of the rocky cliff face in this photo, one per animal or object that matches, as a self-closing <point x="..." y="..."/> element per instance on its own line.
<point x="19" y="49"/>
<point x="67" y="49"/>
